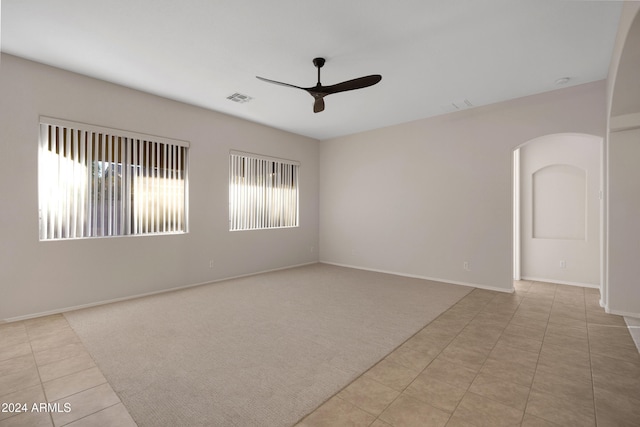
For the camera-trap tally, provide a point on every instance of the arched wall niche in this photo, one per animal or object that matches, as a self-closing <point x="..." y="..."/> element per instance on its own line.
<point x="559" y="202"/>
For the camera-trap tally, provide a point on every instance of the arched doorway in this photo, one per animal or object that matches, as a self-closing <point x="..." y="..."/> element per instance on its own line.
<point x="558" y="209"/>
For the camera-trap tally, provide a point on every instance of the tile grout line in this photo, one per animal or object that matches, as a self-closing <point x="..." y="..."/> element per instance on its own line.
<point x="593" y="383"/>
<point x="93" y="413"/>
<point x="41" y="382"/>
<point x="439" y="353"/>
<point x="372" y="366"/>
<point x="33" y="355"/>
<point x="99" y="385"/>
<point x="483" y="363"/>
<point x="524" y="412"/>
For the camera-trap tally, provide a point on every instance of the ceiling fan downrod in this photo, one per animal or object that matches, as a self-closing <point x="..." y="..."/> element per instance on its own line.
<point x="319" y="63"/>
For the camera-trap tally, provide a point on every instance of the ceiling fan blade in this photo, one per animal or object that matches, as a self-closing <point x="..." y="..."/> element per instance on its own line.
<point x="318" y="105"/>
<point x="358" y="83"/>
<point x="280" y="83"/>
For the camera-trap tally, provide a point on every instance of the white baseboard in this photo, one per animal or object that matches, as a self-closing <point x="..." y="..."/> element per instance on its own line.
<point x="608" y="310"/>
<point x="633" y="324"/>
<point x="177" y="288"/>
<point x="618" y="312"/>
<point x="561" y="282"/>
<point x="415" y="276"/>
<point x="623" y="313"/>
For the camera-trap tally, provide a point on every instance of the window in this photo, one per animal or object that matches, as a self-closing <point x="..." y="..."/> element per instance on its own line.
<point x="263" y="192"/>
<point x="99" y="182"/>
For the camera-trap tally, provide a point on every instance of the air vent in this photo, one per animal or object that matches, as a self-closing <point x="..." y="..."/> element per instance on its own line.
<point x="462" y="104"/>
<point x="239" y="98"/>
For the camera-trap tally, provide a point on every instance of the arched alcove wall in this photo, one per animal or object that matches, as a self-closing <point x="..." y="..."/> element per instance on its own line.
<point x="559" y="209"/>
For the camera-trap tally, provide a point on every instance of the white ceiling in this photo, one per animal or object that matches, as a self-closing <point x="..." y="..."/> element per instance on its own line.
<point x="430" y="53"/>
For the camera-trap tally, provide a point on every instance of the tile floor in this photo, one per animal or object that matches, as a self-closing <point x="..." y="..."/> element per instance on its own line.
<point x="546" y="355"/>
<point x="43" y="361"/>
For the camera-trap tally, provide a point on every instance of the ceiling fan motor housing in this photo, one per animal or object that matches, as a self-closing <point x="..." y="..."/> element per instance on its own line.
<point x="318" y="62"/>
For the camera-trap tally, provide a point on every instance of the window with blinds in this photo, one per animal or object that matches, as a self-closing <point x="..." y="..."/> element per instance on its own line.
<point x="100" y="182"/>
<point x="263" y="192"/>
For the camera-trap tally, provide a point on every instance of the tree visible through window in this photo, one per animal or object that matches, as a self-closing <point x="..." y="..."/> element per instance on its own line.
<point x="263" y="192"/>
<point x="98" y="182"/>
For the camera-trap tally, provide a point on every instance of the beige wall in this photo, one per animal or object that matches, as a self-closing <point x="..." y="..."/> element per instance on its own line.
<point x="38" y="277"/>
<point x="422" y="198"/>
<point x="624" y="223"/>
<point x="621" y="293"/>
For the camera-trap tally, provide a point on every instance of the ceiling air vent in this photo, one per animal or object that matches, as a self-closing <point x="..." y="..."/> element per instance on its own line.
<point x="462" y="104"/>
<point x="239" y="98"/>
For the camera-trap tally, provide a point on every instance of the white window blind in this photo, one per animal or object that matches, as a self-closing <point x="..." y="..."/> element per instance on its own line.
<point x="263" y="192"/>
<point x="99" y="182"/>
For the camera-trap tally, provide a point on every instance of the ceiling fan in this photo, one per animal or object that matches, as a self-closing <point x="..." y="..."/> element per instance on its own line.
<point x="319" y="91"/>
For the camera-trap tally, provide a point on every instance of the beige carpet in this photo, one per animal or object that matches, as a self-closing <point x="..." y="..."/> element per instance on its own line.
<point x="263" y="350"/>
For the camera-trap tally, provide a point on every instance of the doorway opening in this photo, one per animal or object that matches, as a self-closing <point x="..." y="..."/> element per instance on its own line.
<point x="557" y="209"/>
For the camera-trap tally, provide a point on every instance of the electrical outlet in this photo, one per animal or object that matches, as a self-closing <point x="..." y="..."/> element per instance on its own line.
<point x="465" y="265"/>
<point x="563" y="264"/>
